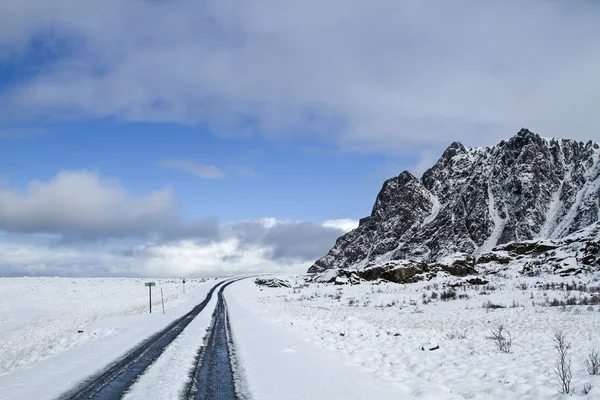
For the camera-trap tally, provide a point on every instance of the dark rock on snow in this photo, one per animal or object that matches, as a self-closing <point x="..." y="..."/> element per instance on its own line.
<point x="272" y="282"/>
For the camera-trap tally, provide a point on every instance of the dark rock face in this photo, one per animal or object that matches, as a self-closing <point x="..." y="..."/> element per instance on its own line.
<point x="575" y="254"/>
<point x="474" y="199"/>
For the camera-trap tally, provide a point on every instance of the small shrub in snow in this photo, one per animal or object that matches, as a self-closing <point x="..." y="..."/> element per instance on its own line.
<point x="523" y="286"/>
<point x="463" y="296"/>
<point x="434" y="295"/>
<point x="562" y="369"/>
<point x="592" y="363"/>
<point x="555" y="303"/>
<point x="447" y="295"/>
<point x="502" y="339"/>
<point x="571" y="301"/>
<point x="392" y="303"/>
<point x="488" y="304"/>
<point x="587" y="388"/>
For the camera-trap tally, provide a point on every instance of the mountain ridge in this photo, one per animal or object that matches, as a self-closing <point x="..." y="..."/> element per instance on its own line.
<point x="475" y="198"/>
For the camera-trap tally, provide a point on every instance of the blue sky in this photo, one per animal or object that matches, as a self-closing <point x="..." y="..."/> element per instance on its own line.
<point x="290" y="180"/>
<point x="181" y="138"/>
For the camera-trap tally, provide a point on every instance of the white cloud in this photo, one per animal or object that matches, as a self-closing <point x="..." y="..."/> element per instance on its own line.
<point x="193" y="167"/>
<point x="83" y="225"/>
<point x="379" y="76"/>
<point x="24" y="256"/>
<point x="344" y="224"/>
<point x="80" y="202"/>
<point x="228" y="256"/>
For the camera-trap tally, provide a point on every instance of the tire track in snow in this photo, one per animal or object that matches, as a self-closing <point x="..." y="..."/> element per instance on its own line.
<point x="114" y="382"/>
<point x="212" y="378"/>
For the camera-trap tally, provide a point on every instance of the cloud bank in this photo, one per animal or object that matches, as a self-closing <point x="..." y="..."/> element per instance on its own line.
<point x="81" y="224"/>
<point x="380" y="76"/>
<point x="81" y="202"/>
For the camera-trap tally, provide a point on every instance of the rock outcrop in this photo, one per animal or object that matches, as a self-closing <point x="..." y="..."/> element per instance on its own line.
<point x="572" y="255"/>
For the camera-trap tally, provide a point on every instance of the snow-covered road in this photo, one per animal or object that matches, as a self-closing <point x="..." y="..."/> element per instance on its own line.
<point x="308" y="341"/>
<point x="213" y="376"/>
<point x="116" y="380"/>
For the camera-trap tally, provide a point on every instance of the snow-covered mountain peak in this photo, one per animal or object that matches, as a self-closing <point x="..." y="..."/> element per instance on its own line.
<point x="473" y="199"/>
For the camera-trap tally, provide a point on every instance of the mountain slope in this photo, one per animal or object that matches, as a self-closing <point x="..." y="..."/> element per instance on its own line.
<point x="474" y="199"/>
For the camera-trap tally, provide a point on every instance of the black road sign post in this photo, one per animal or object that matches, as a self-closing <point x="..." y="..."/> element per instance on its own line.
<point x="150" y="284"/>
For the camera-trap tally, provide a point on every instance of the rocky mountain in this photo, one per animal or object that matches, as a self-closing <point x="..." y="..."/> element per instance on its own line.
<point x="474" y="199"/>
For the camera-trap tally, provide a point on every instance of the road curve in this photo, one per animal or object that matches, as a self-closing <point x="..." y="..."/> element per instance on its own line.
<point x="212" y="377"/>
<point x="116" y="379"/>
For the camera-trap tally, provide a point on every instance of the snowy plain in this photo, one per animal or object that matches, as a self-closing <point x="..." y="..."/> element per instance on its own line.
<point x="384" y="328"/>
<point x="42" y="352"/>
<point x="311" y="341"/>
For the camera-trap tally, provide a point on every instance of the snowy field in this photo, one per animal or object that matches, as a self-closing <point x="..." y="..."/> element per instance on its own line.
<point x="383" y="329"/>
<point x="41" y="320"/>
<point x="311" y="341"/>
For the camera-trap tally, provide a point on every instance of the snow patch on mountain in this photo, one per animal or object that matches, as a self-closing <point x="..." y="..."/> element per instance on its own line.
<point x="499" y="224"/>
